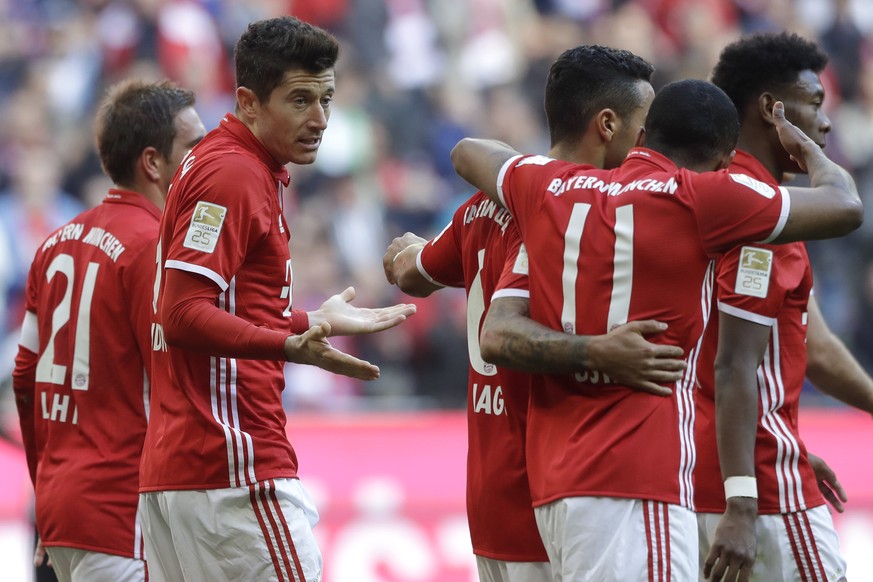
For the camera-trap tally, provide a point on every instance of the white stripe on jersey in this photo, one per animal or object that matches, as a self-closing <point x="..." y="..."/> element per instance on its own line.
<point x="623" y="267"/>
<point x="200" y="270"/>
<point x="772" y="393"/>
<point x="572" y="242"/>
<point x="685" y="398"/>
<point x="30" y="332"/>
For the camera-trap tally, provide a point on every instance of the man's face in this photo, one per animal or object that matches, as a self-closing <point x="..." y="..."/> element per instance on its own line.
<point x="291" y="122"/>
<point x="189" y="131"/>
<point x="630" y="127"/>
<point x="803" y="107"/>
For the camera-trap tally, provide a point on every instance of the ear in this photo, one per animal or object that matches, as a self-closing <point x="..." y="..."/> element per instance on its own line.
<point x="641" y="138"/>
<point x="606" y="123"/>
<point x="725" y="161"/>
<point x="246" y="102"/>
<point x="150" y="160"/>
<point x="765" y="107"/>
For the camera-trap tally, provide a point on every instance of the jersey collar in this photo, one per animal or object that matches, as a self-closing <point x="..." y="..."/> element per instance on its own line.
<point x="232" y="124"/>
<point x="119" y="196"/>
<point x="651" y="156"/>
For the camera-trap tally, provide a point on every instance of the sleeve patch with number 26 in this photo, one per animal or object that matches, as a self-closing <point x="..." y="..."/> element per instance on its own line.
<point x="205" y="227"/>
<point x="753" y="272"/>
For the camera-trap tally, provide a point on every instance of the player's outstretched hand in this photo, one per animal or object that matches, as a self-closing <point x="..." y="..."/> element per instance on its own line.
<point x="828" y="484"/>
<point x="397" y="246"/>
<point x="313" y="348"/>
<point x="628" y="358"/>
<point x="795" y="142"/>
<point x="346" y="319"/>
<point x="735" y="543"/>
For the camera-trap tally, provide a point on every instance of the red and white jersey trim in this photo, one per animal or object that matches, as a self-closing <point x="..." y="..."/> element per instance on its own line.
<point x="507" y="292"/>
<point x="276" y="532"/>
<point x="747" y="315"/>
<point x="225" y="411"/>
<point x="199" y="270"/>
<point x="657" y="519"/>
<point x="783" y="215"/>
<point x="424" y="272"/>
<point x="772" y="393"/>
<point x="502" y="174"/>
<point x="804" y="547"/>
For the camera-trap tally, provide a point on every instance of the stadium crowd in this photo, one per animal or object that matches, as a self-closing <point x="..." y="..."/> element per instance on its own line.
<point x="414" y="76"/>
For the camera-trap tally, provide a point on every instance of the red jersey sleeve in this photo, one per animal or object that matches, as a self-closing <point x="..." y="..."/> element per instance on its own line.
<point x="441" y="260"/>
<point x="513" y="280"/>
<point x="733" y="209"/>
<point x="193" y="321"/>
<point x="524" y="180"/>
<point x="217" y="221"/>
<point x="24" y="374"/>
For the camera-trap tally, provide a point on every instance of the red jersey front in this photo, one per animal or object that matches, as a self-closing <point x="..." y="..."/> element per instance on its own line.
<point x="606" y="247"/>
<point x="472" y="252"/>
<point x="85" y="345"/>
<point x="218" y="422"/>
<point x="769" y="285"/>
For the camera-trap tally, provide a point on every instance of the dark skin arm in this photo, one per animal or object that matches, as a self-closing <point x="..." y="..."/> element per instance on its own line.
<point x="741" y="346"/>
<point x="511" y="339"/>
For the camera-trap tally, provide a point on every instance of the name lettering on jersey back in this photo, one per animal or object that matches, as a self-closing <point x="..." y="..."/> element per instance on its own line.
<point x="105" y="241"/>
<point x="488" y="400"/>
<point x="584" y="182"/>
<point x="488" y="209"/>
<point x="592" y="377"/>
<point x="59" y="410"/>
<point x="159" y="344"/>
<point x="72" y="231"/>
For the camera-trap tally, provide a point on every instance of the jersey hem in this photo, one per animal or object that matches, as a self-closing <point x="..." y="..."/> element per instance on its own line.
<point x="511" y="557"/>
<point x="762" y="510"/>
<point x="210" y="486"/>
<point x="611" y="494"/>
<point x="88" y="548"/>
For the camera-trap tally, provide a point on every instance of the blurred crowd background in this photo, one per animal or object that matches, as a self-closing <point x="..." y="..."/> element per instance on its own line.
<point x="414" y="77"/>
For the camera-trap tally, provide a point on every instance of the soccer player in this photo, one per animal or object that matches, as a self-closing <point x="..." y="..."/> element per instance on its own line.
<point x="220" y="497"/>
<point x="614" y="92"/>
<point x="755" y="353"/>
<point x="81" y="376"/>
<point x="610" y="468"/>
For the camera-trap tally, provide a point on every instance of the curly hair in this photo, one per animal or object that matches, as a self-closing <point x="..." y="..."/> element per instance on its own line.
<point x="587" y="79"/>
<point x="764" y="62"/>
<point x="270" y="48"/>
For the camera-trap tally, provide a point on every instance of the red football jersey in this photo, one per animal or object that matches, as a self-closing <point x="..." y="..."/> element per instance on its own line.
<point x="216" y="421"/>
<point x="85" y="347"/>
<point x="606" y="247"/>
<point x="769" y="285"/>
<point x="472" y="252"/>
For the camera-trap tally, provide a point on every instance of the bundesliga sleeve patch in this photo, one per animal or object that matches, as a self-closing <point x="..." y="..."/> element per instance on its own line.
<point x="520" y="266"/>
<point x="753" y="273"/>
<point x="205" y="227"/>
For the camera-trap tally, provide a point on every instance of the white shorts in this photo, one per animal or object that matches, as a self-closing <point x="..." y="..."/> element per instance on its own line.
<point x="258" y="533"/>
<point x="503" y="571"/>
<point x="75" y="565"/>
<point x="598" y="539"/>
<point x="791" y="546"/>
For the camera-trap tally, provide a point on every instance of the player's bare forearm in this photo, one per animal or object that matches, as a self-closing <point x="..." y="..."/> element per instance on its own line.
<point x="741" y="345"/>
<point x="511" y="339"/>
<point x="478" y="161"/>
<point x="832" y="368"/>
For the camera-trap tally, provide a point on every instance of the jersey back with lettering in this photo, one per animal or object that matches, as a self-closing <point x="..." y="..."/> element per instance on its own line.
<point x="216" y="421"/>
<point x="473" y="251"/>
<point x="91" y="388"/>
<point x="769" y="285"/>
<point x="610" y="246"/>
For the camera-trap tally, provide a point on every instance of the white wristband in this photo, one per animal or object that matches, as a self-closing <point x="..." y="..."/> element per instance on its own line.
<point x="740" y="487"/>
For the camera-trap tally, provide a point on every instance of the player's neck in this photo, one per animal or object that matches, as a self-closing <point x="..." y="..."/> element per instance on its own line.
<point x="149" y="191"/>
<point x="760" y="147"/>
<point x="578" y="154"/>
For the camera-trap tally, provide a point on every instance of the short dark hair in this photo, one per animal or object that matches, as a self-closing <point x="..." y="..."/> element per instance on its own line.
<point x="133" y="116"/>
<point x="765" y="62"/>
<point x="587" y="79"/>
<point x="270" y="48"/>
<point x="692" y="122"/>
